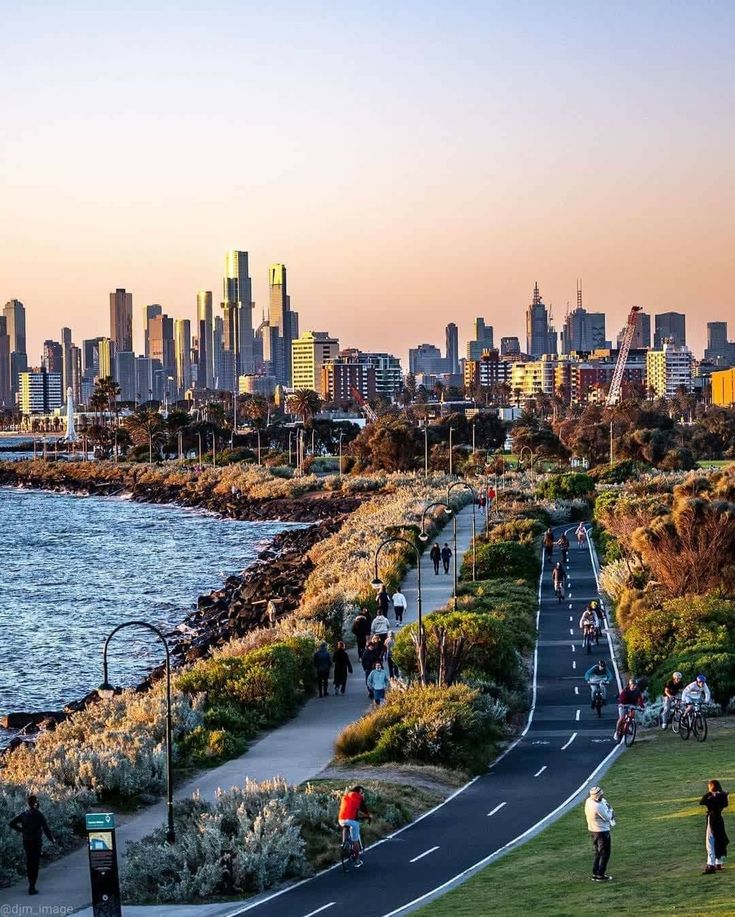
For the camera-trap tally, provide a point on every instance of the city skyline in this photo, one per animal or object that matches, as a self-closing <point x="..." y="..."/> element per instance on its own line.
<point x="408" y="168"/>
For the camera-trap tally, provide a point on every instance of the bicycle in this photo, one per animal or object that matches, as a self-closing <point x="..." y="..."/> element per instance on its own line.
<point x="350" y="852"/>
<point x="629" y="727"/>
<point x="598" y="697"/>
<point x="692" y="720"/>
<point x="559" y="591"/>
<point x="589" y="633"/>
<point x="674" y="716"/>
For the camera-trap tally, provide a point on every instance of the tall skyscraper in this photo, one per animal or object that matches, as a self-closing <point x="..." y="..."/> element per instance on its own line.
<point x="510" y="347"/>
<point x="280" y="324"/>
<point x="15" y="319"/>
<point x="182" y="336"/>
<point x="149" y="312"/>
<point x="237" y="305"/>
<point x="75" y="373"/>
<point x="205" y="336"/>
<point x="5" y="396"/>
<point x="451" y="337"/>
<point x="125" y="375"/>
<point x="482" y="341"/>
<point x="106" y="353"/>
<point x="670" y="326"/>
<point x="121" y="320"/>
<point x="66" y="345"/>
<point x="719" y="350"/>
<point x="642" y="334"/>
<point x="537" y="327"/>
<point x="218" y="349"/>
<point x="91" y="358"/>
<point x="53" y="357"/>
<point x="163" y="349"/>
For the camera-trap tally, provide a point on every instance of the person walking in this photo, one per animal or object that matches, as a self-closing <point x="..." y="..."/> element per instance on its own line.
<point x="436" y="555"/>
<point x="389" y="643"/>
<point x="322" y="664"/>
<point x="342" y="665"/>
<point x="549" y="544"/>
<point x="378" y="683"/>
<point x="370" y="656"/>
<point x="446" y="556"/>
<point x="600" y="821"/>
<point x="399" y="606"/>
<point x="32" y="825"/>
<point x="715" y="838"/>
<point x="383" y="600"/>
<point x="361" y="630"/>
<point x="380" y="626"/>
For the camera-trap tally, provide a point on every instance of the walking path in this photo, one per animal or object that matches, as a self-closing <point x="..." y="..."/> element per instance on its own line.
<point x="296" y="751"/>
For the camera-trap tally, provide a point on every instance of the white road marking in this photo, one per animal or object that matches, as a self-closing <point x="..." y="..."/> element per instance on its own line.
<point x="571" y="632"/>
<point x="570" y="605"/>
<point x="320" y="909"/>
<point x="496" y="809"/>
<point x="574" y="663"/>
<point x="576" y="689"/>
<point x="574" y="736"/>
<point x="577" y="716"/>
<point x="574" y="648"/>
<point x="570" y="617"/>
<point x="538" y="773"/>
<point x="421" y="855"/>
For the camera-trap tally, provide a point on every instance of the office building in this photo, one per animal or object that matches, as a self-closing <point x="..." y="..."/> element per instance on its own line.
<point x="583" y="332"/>
<point x="149" y="312"/>
<point x="106" y="353"/>
<point x="40" y="391"/>
<point x="205" y="340"/>
<point x="126" y="375"/>
<point x="669" y="369"/>
<point x="540" y="337"/>
<point x="258" y="384"/>
<point x="121" y="320"/>
<point x="280" y="323"/>
<point x="346" y="372"/>
<point x="6" y="400"/>
<point x="66" y="345"/>
<point x="670" y="326"/>
<point x="451" y="337"/>
<point x="482" y="341"/>
<point x="310" y="352"/>
<point x="15" y="320"/>
<point x="218" y="351"/>
<point x="719" y="350"/>
<point x="237" y="306"/>
<point x="75" y="376"/>
<point x="484" y="377"/>
<point x="388" y="373"/>
<point x="53" y="357"/>
<point x="144" y="379"/>
<point x="91" y="358"/>
<point x="641" y="335"/>
<point x="426" y="359"/>
<point x="510" y="347"/>
<point x="182" y="337"/>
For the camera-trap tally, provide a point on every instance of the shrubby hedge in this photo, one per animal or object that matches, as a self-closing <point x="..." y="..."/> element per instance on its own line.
<point x="566" y="486"/>
<point x="504" y="560"/>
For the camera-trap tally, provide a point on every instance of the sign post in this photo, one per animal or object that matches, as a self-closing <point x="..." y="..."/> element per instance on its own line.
<point x="103" y="864"/>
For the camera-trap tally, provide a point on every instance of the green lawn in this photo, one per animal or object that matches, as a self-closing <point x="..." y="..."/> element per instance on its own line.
<point x="657" y="851"/>
<point x="714" y="463"/>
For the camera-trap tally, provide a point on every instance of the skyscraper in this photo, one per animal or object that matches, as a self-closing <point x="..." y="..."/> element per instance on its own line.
<point x="719" y="350"/>
<point x="149" y="313"/>
<point x="15" y="319"/>
<point x="237" y="305"/>
<point x="670" y="326"/>
<point x="218" y="349"/>
<point x="106" y="354"/>
<point x="5" y="396"/>
<point x="121" y="320"/>
<point x="482" y="341"/>
<point x="66" y="345"/>
<point x="205" y="335"/>
<point x="642" y="334"/>
<point x="279" y="321"/>
<point x="537" y="326"/>
<point x="310" y="352"/>
<point x="163" y="349"/>
<point x="53" y="357"/>
<point x="182" y="336"/>
<point x="125" y="375"/>
<point x="451" y="336"/>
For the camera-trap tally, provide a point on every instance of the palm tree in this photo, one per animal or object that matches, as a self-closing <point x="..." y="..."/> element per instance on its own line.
<point x="305" y="403"/>
<point x="145" y="425"/>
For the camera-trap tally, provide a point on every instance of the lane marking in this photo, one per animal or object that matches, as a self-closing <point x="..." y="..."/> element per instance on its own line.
<point x="570" y="617"/>
<point x="571" y="632"/>
<point x="421" y="855"/>
<point x="594" y="561"/>
<point x="577" y="716"/>
<point x="574" y="663"/>
<point x="576" y="689"/>
<point x="497" y="809"/>
<point x="574" y="736"/>
<point x="538" y="773"/>
<point x="320" y="909"/>
<point x="574" y="648"/>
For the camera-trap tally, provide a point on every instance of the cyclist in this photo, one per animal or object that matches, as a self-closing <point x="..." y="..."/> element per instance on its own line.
<point x="597" y="675"/>
<point x="696" y="693"/>
<point x="549" y="543"/>
<point x="563" y="543"/>
<point x="351" y="807"/>
<point x="630" y="696"/>
<point x="672" y="689"/>
<point x="558" y="579"/>
<point x="581" y="534"/>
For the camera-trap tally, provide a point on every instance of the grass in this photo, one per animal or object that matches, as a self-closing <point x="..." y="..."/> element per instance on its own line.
<point x="657" y="846"/>
<point x="714" y="463"/>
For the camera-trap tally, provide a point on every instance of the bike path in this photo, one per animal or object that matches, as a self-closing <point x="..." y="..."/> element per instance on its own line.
<point x="564" y="745"/>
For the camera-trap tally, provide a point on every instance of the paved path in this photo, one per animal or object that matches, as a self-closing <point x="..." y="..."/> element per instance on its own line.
<point x="296" y="751"/>
<point x="562" y="750"/>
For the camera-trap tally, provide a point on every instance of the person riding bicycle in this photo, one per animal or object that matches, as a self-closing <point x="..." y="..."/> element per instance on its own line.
<point x="558" y="578"/>
<point x="630" y="696"/>
<point x="588" y="621"/>
<point x="351" y="807"/>
<point x="672" y="689"/>
<point x="581" y="533"/>
<point x="696" y="693"/>
<point x="598" y="675"/>
<point x="596" y="609"/>
<point x="563" y="543"/>
<point x="549" y="543"/>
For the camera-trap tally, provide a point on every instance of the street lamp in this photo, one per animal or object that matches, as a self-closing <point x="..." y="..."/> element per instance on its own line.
<point x="530" y="452"/>
<point x="258" y="434"/>
<point x="377" y="583"/>
<point x="340" y="453"/>
<point x="199" y="437"/>
<point x="451" y="430"/>
<point x="426" y="448"/>
<point x="474" y="533"/>
<point x="106" y="690"/>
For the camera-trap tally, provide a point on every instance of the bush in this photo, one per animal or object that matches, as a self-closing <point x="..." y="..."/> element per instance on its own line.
<point x="523" y="530"/>
<point x="504" y="560"/>
<point x="620" y="472"/>
<point x="566" y="486"/>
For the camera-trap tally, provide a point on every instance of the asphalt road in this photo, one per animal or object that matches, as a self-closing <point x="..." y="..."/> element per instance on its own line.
<point x="563" y="745"/>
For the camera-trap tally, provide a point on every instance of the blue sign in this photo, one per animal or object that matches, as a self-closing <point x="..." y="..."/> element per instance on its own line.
<point x="96" y="820"/>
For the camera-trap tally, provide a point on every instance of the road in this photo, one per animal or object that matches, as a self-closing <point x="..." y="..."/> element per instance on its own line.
<point x="562" y="748"/>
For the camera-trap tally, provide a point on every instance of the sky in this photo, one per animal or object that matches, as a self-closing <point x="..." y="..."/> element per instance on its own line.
<point x="412" y="163"/>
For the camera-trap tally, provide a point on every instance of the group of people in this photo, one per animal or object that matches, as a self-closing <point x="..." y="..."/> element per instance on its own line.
<point x="440" y="555"/>
<point x="375" y="639"/>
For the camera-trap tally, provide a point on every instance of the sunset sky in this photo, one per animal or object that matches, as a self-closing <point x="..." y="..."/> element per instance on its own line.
<point x="411" y="163"/>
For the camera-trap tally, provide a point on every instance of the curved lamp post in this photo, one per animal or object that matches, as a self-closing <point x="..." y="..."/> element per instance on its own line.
<point x="377" y="583"/>
<point x="530" y="451"/>
<point x="424" y="536"/>
<point x="106" y="690"/>
<point x="474" y="534"/>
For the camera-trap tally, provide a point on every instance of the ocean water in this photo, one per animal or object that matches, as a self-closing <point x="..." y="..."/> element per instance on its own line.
<point x="72" y="568"/>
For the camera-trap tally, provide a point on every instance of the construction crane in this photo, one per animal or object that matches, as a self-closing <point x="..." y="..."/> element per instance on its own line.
<point x="613" y="396"/>
<point x="364" y="406"/>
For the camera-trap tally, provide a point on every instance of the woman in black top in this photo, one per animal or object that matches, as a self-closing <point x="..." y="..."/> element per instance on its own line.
<point x="342" y="666"/>
<point x="436" y="555"/>
<point x="716" y="839"/>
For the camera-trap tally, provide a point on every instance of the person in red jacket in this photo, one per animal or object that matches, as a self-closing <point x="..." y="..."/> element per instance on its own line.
<point x="630" y="696"/>
<point x="351" y="807"/>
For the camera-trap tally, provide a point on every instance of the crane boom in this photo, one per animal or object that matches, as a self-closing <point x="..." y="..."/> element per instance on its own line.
<point x="613" y="396"/>
<point x="364" y="406"/>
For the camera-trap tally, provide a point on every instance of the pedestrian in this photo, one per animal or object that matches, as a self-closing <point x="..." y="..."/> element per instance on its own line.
<point x="361" y="630"/>
<point x="436" y="555"/>
<point x="370" y="656"/>
<point x="399" y="606"/>
<point x="322" y="664"/>
<point x="342" y="666"/>
<point x="446" y="556"/>
<point x="389" y="643"/>
<point x="32" y="825"/>
<point x="271" y="612"/>
<point x="380" y="626"/>
<point x="378" y="683"/>
<point x="600" y="820"/>
<point x="715" y="839"/>
<point x="383" y="600"/>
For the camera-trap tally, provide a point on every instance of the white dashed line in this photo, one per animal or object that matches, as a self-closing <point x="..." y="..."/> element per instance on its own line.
<point x="422" y="855"/>
<point x="496" y="809"/>
<point x="574" y="663"/>
<point x="570" y="605"/>
<point x="576" y="689"/>
<point x="320" y="909"/>
<point x="574" y="648"/>
<point x="538" y="773"/>
<point x="571" y="632"/>
<point x="577" y="716"/>
<point x="570" y="617"/>
<point x="574" y="736"/>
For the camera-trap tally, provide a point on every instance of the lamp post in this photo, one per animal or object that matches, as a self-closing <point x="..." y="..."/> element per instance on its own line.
<point x="106" y="690"/>
<point x="258" y="435"/>
<point x="474" y="533"/>
<point x="473" y="437"/>
<point x="340" y="453"/>
<point x="424" y="535"/>
<point x="426" y="448"/>
<point x="199" y="437"/>
<point x="451" y="430"/>
<point x="530" y="452"/>
<point x="377" y="583"/>
<point x="181" y="444"/>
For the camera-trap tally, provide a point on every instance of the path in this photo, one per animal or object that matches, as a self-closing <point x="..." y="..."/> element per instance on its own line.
<point x="562" y="750"/>
<point x="296" y="751"/>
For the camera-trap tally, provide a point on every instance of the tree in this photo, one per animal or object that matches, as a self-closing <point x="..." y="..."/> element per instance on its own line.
<point x="392" y="443"/>
<point x="305" y="403"/>
<point x="146" y="426"/>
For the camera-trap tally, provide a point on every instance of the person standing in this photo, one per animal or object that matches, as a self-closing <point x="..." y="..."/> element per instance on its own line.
<point x="322" y="664"/>
<point x="715" y="839"/>
<point x="342" y="666"/>
<point x="32" y="825"/>
<point x="389" y="643"/>
<point x="361" y="630"/>
<point x="399" y="606"/>
<point x="436" y="555"/>
<point x="600" y="820"/>
<point x="446" y="556"/>
<point x="378" y="683"/>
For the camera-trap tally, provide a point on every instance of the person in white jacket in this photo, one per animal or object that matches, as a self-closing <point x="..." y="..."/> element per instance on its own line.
<point x="600" y="820"/>
<point x="697" y="692"/>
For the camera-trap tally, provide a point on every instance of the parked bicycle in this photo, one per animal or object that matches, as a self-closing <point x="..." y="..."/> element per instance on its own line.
<point x="627" y="726"/>
<point x="692" y="720"/>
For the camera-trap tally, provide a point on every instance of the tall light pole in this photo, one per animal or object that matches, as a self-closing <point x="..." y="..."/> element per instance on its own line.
<point x="199" y="437"/>
<point x="451" y="430"/>
<point x="474" y="534"/>
<point x="106" y="690"/>
<point x="340" y="453"/>
<point x="424" y="535"/>
<point x="426" y="448"/>
<point x="473" y="437"/>
<point x="258" y="434"/>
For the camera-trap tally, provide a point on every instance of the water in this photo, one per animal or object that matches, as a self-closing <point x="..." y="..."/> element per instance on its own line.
<point x="72" y="568"/>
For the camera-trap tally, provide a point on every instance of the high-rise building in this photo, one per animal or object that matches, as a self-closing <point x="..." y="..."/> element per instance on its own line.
<point x="670" y="326"/>
<point x="149" y="312"/>
<point x="205" y="340"/>
<point x="510" y="347"/>
<point x="218" y="352"/>
<point x="143" y="379"/>
<point x="121" y="320"/>
<point x="537" y="327"/>
<point x="280" y="323"/>
<point x="482" y="341"/>
<point x="310" y="352"/>
<point x="723" y="388"/>
<point x="74" y="379"/>
<point x="91" y="358"/>
<point x="641" y="335"/>
<point x="53" y="357"/>
<point x="669" y="368"/>
<point x="40" y="391"/>
<point x="348" y="371"/>
<point x="163" y="349"/>
<point x="6" y="400"/>
<point x="125" y="375"/>
<point x="106" y="352"/>
<point x="583" y="331"/>
<point x="237" y="305"/>
<point x="15" y="319"/>
<point x="451" y="337"/>
<point x="66" y="345"/>
<point x="182" y="336"/>
<point x="719" y="350"/>
<point x="488" y="373"/>
<point x="426" y="359"/>
<point x="388" y="373"/>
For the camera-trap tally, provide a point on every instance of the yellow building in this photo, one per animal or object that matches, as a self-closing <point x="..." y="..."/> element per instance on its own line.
<point x="723" y="387"/>
<point x="309" y="353"/>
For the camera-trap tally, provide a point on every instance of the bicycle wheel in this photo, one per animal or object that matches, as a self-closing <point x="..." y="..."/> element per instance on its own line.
<point x="675" y="723"/>
<point x="685" y="726"/>
<point x="700" y="728"/>
<point x="631" y="727"/>
<point x="345" y="853"/>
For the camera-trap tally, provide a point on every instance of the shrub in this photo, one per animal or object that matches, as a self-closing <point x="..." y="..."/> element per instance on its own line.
<point x="620" y="472"/>
<point x="504" y="560"/>
<point x="523" y="530"/>
<point x="566" y="486"/>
